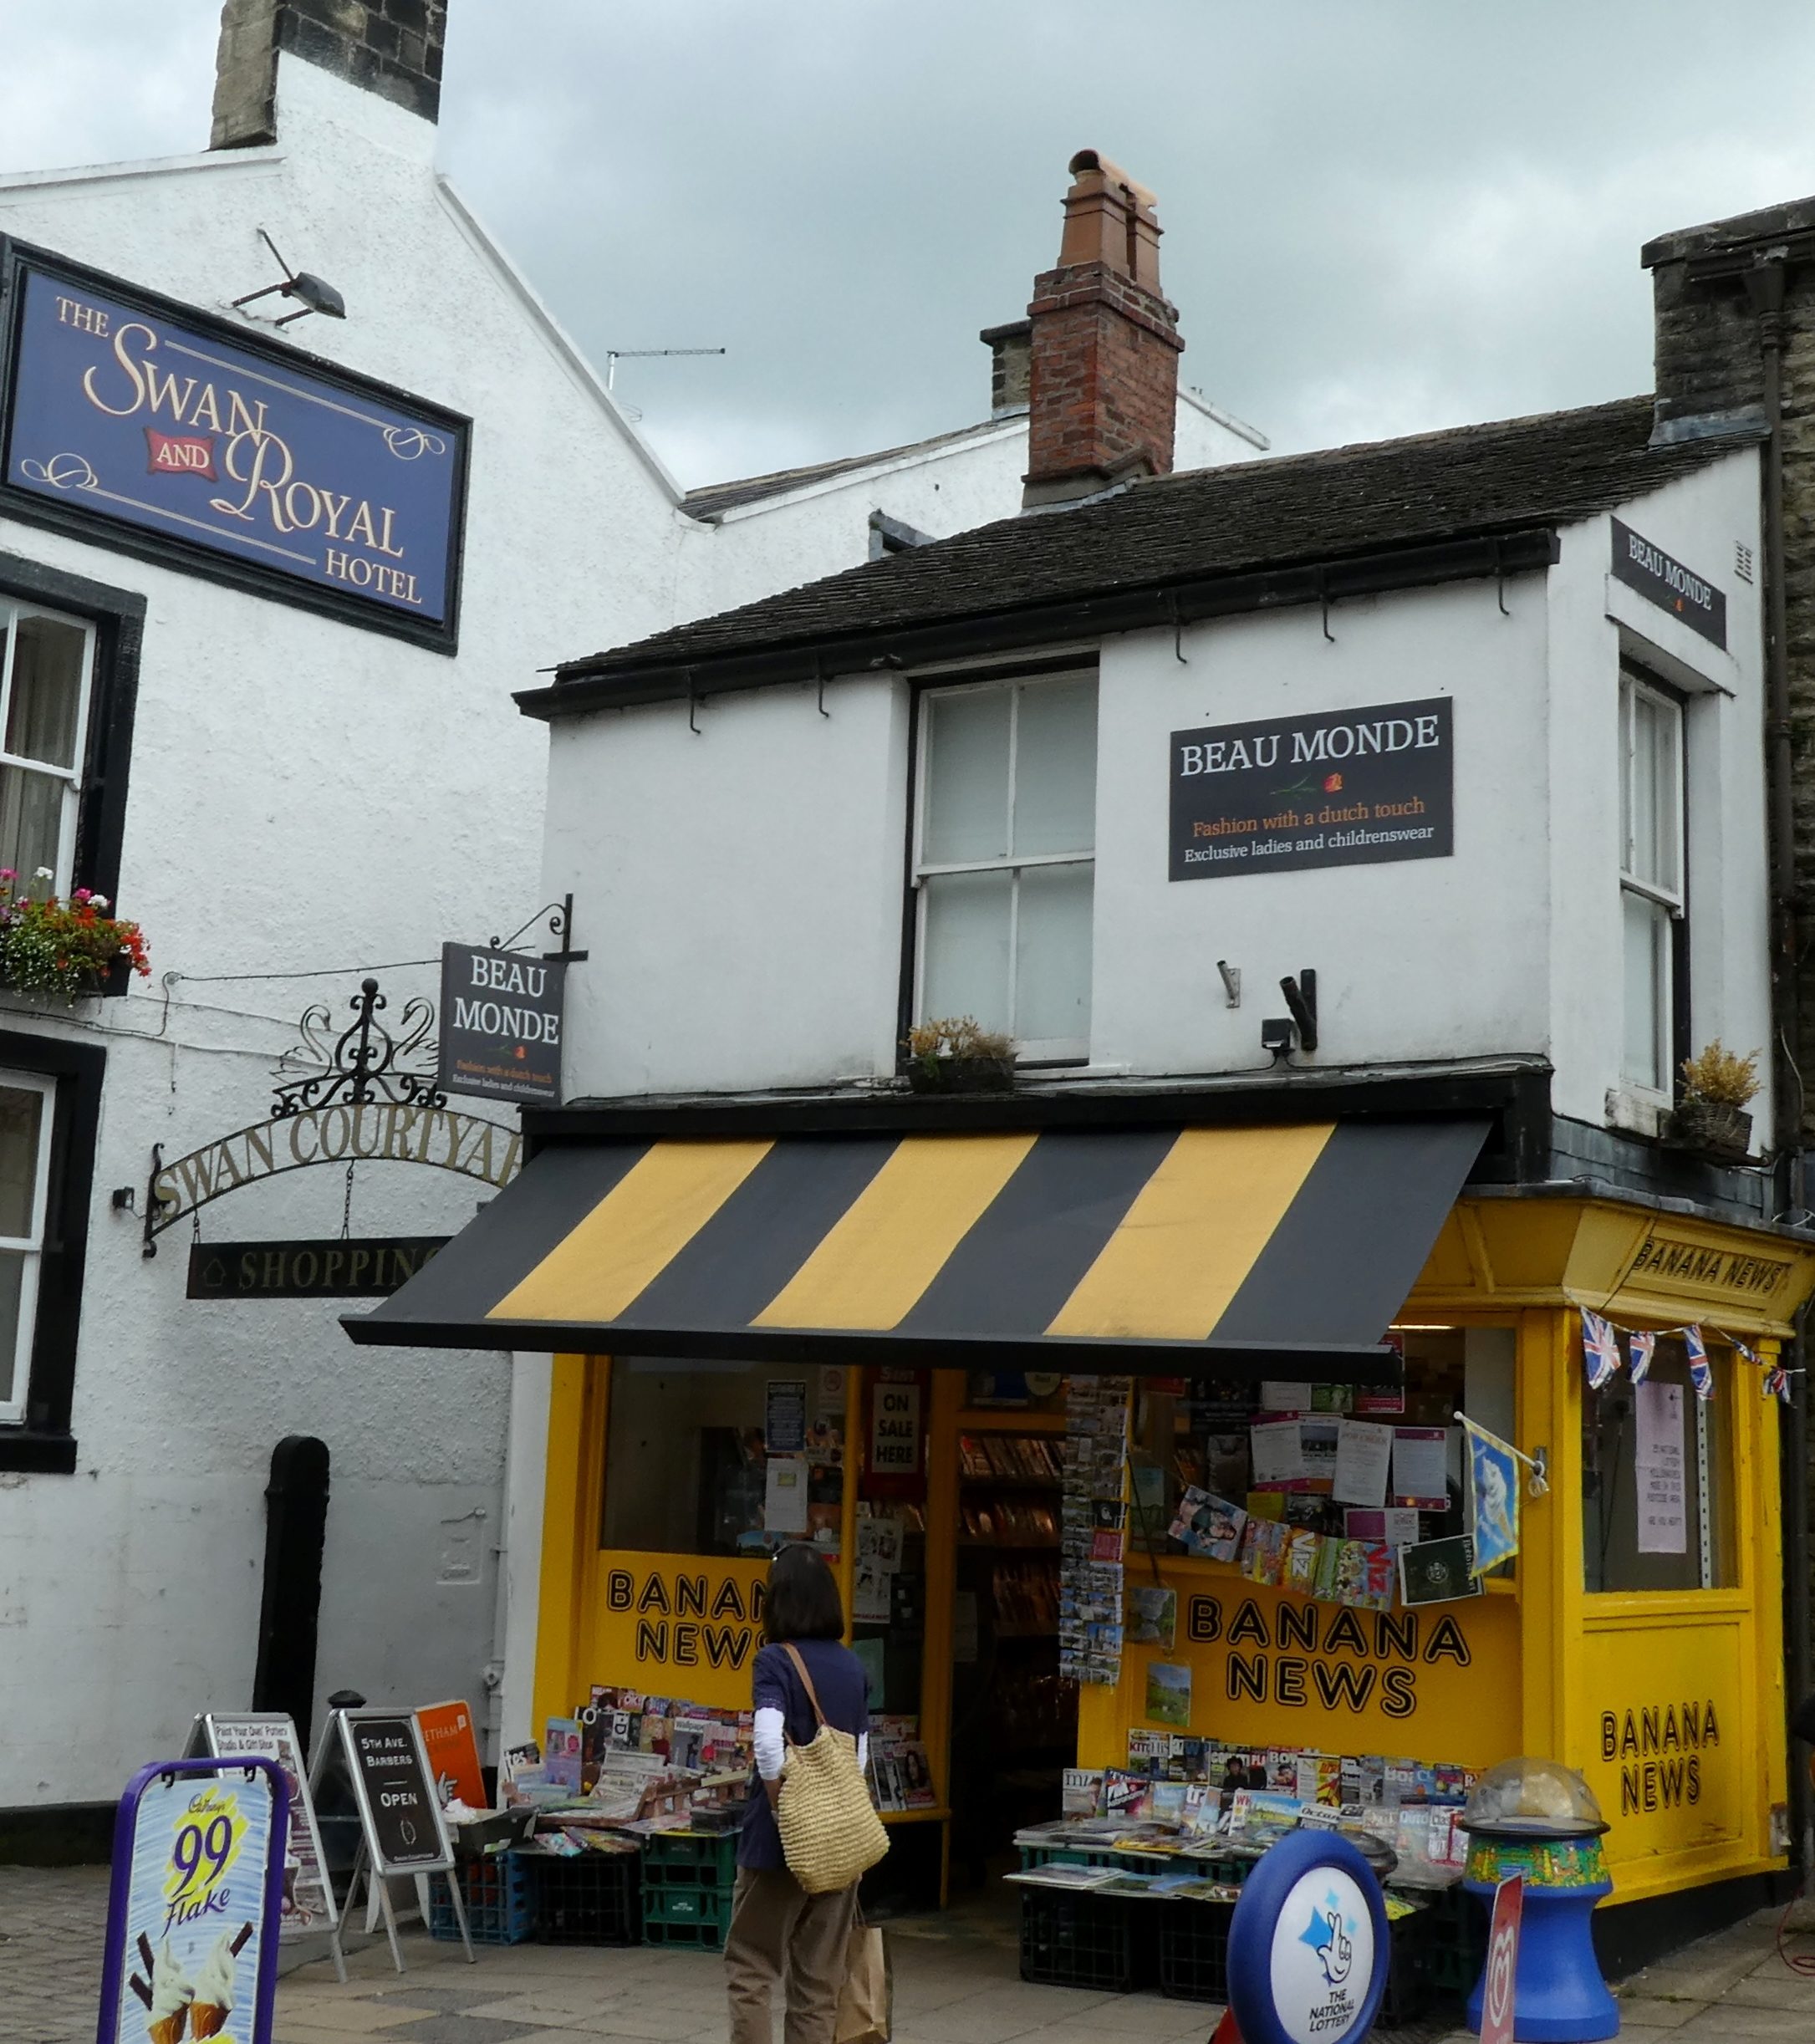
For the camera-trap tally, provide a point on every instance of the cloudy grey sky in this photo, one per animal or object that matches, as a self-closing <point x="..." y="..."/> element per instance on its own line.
<point x="1381" y="215"/>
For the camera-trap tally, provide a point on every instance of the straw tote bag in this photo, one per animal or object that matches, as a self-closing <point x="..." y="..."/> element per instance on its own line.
<point x="831" y="1834"/>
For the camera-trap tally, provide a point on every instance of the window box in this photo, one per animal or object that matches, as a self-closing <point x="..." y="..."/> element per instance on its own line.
<point x="961" y="1074"/>
<point x="1712" y="1127"/>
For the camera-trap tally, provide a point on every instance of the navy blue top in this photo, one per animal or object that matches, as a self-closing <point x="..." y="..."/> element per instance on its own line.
<point x="838" y="1677"/>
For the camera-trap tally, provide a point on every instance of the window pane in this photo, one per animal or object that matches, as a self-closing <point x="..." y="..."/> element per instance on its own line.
<point x="1056" y="768"/>
<point x="31" y="823"/>
<point x="966" y="777"/>
<point x="13" y="1365"/>
<point x="47" y="690"/>
<point x="1647" y="991"/>
<point x="966" y="967"/>
<point x="1642" y="1517"/>
<point x="1651" y="801"/>
<point x="1053" y="954"/>
<point x="21" y="1113"/>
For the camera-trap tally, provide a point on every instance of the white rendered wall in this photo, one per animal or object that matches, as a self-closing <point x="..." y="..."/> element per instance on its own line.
<point x="745" y="883"/>
<point x="303" y="795"/>
<point x="753" y="874"/>
<point x="1700" y="520"/>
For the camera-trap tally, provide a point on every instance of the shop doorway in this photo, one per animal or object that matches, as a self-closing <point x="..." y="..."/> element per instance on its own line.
<point x="1014" y="1721"/>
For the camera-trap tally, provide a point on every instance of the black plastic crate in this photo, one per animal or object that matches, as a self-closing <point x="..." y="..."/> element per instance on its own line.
<point x="1194" y="1950"/>
<point x="594" y="1899"/>
<point x="498" y="1897"/>
<point x="1078" y="1939"/>
<point x="699" y="1936"/>
<point x="1407" y="1978"/>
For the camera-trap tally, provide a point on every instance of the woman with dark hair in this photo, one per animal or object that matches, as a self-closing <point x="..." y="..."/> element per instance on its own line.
<point x="778" y="1929"/>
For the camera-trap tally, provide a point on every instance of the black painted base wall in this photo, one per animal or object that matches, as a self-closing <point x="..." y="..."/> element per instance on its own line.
<point x="58" y="1834"/>
<point x="1630" y="1935"/>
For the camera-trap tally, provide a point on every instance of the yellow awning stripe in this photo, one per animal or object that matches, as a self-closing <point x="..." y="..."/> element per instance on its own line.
<point x="894" y="1240"/>
<point x="1192" y="1234"/>
<point x="633" y="1233"/>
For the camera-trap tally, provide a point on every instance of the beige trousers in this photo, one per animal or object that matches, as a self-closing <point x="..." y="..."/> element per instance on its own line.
<point x="782" y="1935"/>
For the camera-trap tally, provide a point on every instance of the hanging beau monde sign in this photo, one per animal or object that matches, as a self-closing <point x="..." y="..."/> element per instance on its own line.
<point x="199" y="442"/>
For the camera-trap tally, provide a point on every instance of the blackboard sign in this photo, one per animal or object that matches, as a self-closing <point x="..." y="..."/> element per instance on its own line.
<point x="1346" y="787"/>
<point x="395" y="1789"/>
<point x="501" y="1023"/>
<point x="1669" y="585"/>
<point x="151" y="426"/>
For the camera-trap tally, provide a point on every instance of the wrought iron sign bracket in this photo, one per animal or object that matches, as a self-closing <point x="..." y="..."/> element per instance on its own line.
<point x="560" y="915"/>
<point x="365" y="1063"/>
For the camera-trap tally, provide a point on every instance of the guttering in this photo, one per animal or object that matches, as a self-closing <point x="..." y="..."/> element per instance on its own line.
<point x="1159" y="606"/>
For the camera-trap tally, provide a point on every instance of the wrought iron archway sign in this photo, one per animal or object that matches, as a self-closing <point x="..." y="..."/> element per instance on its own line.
<point x="363" y="1106"/>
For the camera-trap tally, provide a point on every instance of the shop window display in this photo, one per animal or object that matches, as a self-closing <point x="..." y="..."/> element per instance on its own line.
<point x="711" y="1457"/>
<point x="1294" y="1452"/>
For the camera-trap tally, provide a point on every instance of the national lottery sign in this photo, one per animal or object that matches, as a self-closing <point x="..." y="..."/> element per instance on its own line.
<point x="206" y="445"/>
<point x="1308" y="1944"/>
<point x="193" y="1911"/>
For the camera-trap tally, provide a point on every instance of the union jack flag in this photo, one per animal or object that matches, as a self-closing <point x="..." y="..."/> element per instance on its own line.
<point x="1700" y="1373"/>
<point x="1600" y="1349"/>
<point x="1640" y="1348"/>
<point x="1777" y="1381"/>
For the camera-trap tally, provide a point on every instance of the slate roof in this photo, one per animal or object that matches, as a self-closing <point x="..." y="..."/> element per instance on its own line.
<point x="1554" y="469"/>
<point x="712" y="498"/>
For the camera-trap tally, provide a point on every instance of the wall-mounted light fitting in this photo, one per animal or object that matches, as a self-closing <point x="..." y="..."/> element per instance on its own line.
<point x="310" y="293"/>
<point x="1231" y="982"/>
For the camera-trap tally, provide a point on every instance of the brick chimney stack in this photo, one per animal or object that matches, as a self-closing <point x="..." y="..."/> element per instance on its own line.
<point x="392" y="47"/>
<point x="1104" y="380"/>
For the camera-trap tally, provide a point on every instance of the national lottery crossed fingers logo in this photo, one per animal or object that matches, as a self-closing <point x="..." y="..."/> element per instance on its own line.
<point x="1327" y="1936"/>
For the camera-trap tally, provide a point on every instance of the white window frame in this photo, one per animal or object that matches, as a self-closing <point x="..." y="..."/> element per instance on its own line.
<point x="1043" y="1050"/>
<point x="31" y="1247"/>
<point x="1669" y="894"/>
<point x="12" y="612"/>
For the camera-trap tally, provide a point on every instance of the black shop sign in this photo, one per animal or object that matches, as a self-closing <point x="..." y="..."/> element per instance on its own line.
<point x="1346" y="787"/>
<point x="1668" y="584"/>
<point x="501" y="1023"/>
<point x="336" y="1268"/>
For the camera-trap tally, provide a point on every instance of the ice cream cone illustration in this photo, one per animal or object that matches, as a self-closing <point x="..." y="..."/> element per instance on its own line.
<point x="214" y="1984"/>
<point x="170" y="1996"/>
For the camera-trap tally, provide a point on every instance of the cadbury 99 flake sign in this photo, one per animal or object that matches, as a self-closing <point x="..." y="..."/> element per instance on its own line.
<point x="193" y="1913"/>
<point x="202" y="444"/>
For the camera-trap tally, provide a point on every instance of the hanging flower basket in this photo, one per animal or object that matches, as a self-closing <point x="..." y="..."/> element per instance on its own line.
<point x="62" y="948"/>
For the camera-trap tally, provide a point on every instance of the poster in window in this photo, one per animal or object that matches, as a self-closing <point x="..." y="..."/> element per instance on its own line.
<point x="1659" y="1468"/>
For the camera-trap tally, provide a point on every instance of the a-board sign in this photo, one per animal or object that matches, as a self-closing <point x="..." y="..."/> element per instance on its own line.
<point x="382" y="1754"/>
<point x="500" y="1023"/>
<point x="453" y="1751"/>
<point x="308" y="1900"/>
<point x="1308" y="1944"/>
<point x="194" y="1902"/>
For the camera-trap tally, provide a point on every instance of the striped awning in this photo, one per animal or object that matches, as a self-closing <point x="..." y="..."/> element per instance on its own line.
<point x="1224" y="1250"/>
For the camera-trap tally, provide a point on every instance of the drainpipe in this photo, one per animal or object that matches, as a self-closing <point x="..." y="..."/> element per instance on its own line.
<point x="1764" y="284"/>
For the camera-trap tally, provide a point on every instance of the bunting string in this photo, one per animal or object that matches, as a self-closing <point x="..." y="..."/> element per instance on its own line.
<point x="1602" y="1358"/>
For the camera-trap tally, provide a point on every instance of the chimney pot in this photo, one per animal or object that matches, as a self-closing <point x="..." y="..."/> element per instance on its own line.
<point x="1103" y="345"/>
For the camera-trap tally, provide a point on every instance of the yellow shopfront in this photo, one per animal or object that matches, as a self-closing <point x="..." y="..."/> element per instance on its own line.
<point x="1660" y="1676"/>
<point x="864" y="1337"/>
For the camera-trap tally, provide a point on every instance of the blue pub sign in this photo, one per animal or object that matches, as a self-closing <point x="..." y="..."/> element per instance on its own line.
<point x="213" y="449"/>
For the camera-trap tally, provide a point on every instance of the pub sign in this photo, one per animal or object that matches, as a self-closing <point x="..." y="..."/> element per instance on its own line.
<point x="1344" y="787"/>
<point x="207" y="447"/>
<point x="501" y="1023"/>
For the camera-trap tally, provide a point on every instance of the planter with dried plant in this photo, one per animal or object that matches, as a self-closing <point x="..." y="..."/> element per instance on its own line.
<point x="956" y="1054"/>
<point x="1711" y="1115"/>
